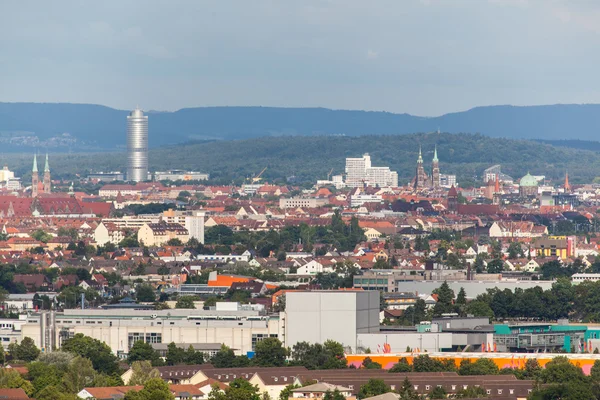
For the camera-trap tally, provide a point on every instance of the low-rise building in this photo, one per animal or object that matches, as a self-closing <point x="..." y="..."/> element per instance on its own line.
<point x="302" y="202"/>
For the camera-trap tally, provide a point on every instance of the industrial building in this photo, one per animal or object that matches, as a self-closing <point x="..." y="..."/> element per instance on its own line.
<point x="180" y="175"/>
<point x="237" y="327"/>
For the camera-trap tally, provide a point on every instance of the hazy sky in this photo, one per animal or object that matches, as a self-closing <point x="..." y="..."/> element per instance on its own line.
<point x="424" y="57"/>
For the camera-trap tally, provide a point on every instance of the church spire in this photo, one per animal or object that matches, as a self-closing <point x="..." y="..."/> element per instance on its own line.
<point x="435" y="157"/>
<point x="47" y="166"/>
<point x="35" y="168"/>
<point x="567" y="185"/>
<point x="420" y="159"/>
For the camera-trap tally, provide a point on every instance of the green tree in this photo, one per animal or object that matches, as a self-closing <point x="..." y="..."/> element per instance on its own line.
<point x="175" y="354"/>
<point x="532" y="369"/>
<point x="461" y="297"/>
<point x="381" y="264"/>
<point x="415" y="314"/>
<point x="438" y="392"/>
<point x="515" y="250"/>
<point x="174" y="242"/>
<point x="154" y="389"/>
<point x="79" y="375"/>
<point x="424" y="363"/>
<point x="185" y="302"/>
<point x="335" y="395"/>
<point x="471" y="392"/>
<point x="482" y="366"/>
<point x="373" y="387"/>
<point x="595" y="371"/>
<point x="286" y="393"/>
<point x="43" y="375"/>
<point x="560" y="370"/>
<point x="41" y="236"/>
<point x="224" y="358"/>
<point x="238" y="389"/>
<point x="11" y="379"/>
<point x="329" y="355"/>
<point x="269" y="352"/>
<point x="25" y="351"/>
<point x="53" y="392"/>
<point x="401" y="366"/>
<point x="193" y="357"/>
<point x="445" y="297"/>
<point x="142" y="351"/>
<point x="370" y="364"/>
<point x="142" y="373"/>
<point x="145" y="293"/>
<point x="98" y="352"/>
<point x="495" y="266"/>
<point x="407" y="392"/>
<point x="479" y="308"/>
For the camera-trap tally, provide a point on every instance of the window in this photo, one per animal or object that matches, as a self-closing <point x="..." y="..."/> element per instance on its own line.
<point x="153" y="338"/>
<point x="134" y="337"/>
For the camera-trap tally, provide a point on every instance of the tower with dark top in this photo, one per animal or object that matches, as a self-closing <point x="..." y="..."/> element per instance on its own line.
<point x="421" y="178"/>
<point x="453" y="199"/>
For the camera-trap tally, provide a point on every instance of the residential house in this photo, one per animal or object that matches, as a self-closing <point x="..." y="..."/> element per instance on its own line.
<point x="34" y="282"/>
<point x="318" y="391"/>
<point x="107" y="232"/>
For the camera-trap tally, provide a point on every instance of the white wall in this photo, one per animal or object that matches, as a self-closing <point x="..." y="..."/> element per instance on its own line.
<point x="399" y="341"/>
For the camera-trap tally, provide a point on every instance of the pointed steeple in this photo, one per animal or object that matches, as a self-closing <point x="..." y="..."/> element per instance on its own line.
<point x="35" y="168"/>
<point x="435" y="157"/>
<point x="420" y="159"/>
<point x="567" y="185"/>
<point x="47" y="166"/>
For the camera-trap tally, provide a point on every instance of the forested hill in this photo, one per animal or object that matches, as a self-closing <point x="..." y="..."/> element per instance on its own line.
<point x="311" y="158"/>
<point x="93" y="127"/>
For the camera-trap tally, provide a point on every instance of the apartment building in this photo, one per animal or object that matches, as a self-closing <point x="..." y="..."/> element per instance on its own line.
<point x="160" y="233"/>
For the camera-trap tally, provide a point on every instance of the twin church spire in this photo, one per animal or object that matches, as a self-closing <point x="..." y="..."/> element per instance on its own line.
<point x="35" y="178"/>
<point x="422" y="180"/>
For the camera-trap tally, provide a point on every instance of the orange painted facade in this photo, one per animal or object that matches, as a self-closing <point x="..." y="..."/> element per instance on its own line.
<point x="228" y="280"/>
<point x="502" y="360"/>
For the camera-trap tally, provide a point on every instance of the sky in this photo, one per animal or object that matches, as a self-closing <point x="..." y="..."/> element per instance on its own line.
<point x="423" y="57"/>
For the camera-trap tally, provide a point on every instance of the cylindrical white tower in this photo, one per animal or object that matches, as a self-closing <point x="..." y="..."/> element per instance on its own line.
<point x="137" y="146"/>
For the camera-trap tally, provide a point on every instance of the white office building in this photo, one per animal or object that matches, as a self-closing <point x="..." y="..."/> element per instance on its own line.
<point x="360" y="172"/>
<point x="447" y="181"/>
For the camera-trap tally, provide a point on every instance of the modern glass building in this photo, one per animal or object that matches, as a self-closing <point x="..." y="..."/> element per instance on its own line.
<point x="137" y="146"/>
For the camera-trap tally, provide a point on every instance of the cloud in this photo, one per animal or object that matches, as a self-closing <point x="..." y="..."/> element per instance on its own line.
<point x="372" y="54"/>
<point x="587" y="20"/>
<point x="511" y="3"/>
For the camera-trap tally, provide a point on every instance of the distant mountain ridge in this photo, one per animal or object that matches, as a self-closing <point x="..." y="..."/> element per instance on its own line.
<point x="96" y="127"/>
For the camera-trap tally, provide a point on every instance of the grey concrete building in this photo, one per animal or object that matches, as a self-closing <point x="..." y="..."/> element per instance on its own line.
<point x="318" y="316"/>
<point x="472" y="288"/>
